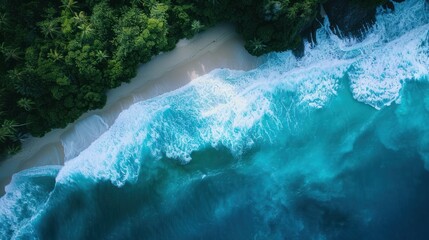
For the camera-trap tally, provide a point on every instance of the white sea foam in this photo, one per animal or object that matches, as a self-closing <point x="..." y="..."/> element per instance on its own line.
<point x="377" y="79"/>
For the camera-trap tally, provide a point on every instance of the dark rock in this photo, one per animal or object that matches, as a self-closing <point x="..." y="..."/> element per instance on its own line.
<point x="309" y="32"/>
<point x="298" y="51"/>
<point x="349" y="17"/>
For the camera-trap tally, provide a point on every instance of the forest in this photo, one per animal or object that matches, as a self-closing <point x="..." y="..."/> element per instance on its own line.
<point x="58" y="58"/>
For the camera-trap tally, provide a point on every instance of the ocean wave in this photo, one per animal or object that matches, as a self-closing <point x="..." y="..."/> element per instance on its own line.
<point x="25" y="197"/>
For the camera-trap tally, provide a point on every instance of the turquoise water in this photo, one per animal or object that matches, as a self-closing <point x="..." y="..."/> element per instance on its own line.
<point x="331" y="146"/>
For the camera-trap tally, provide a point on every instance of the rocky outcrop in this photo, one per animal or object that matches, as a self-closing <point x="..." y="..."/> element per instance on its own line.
<point x="349" y="18"/>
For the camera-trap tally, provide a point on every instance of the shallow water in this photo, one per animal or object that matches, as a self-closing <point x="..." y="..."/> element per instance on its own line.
<point x="331" y="146"/>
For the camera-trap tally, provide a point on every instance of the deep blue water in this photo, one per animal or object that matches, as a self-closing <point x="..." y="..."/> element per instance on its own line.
<point x="331" y="146"/>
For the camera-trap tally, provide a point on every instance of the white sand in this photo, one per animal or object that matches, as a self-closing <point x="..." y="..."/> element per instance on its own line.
<point x="219" y="47"/>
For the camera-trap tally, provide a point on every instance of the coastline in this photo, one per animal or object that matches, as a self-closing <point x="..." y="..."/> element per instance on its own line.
<point x="218" y="47"/>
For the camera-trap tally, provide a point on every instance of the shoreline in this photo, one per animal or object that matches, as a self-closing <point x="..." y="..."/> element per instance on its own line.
<point x="218" y="47"/>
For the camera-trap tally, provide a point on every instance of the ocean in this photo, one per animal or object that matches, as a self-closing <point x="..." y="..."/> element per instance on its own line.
<point x="333" y="145"/>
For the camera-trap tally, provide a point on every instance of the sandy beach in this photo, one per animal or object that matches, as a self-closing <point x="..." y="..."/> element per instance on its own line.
<point x="219" y="47"/>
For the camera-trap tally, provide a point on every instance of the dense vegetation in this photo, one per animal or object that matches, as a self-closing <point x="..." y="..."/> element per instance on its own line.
<point x="58" y="58"/>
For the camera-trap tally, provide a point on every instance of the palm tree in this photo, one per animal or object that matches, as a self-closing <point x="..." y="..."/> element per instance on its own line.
<point x="10" y="53"/>
<point x="101" y="55"/>
<point x="69" y="4"/>
<point x="257" y="46"/>
<point x="196" y="26"/>
<point x="80" y="18"/>
<point x="54" y="55"/>
<point x="13" y="149"/>
<point x="86" y="29"/>
<point x="26" y="103"/>
<point x="15" y="74"/>
<point x="48" y="28"/>
<point x="8" y="130"/>
<point x="4" y="21"/>
<point x="22" y="81"/>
